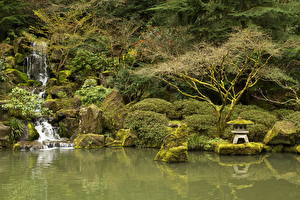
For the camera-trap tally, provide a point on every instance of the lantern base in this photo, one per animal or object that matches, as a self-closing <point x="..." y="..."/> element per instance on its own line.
<point x="240" y="136"/>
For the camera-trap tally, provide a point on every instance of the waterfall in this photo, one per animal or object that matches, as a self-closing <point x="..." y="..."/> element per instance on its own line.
<point x="37" y="69"/>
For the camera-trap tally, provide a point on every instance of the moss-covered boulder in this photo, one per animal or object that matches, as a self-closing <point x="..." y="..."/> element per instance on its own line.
<point x="68" y="122"/>
<point x="27" y="146"/>
<point x="114" y="111"/>
<point x="150" y="127"/>
<point x="174" y="147"/>
<point x="63" y="91"/>
<point x="89" y="141"/>
<point x="91" y="120"/>
<point x="31" y="132"/>
<point x="155" y="105"/>
<point x="293" y="149"/>
<point x="66" y="103"/>
<point x="127" y="137"/>
<point x="283" y="133"/>
<point x="16" y="76"/>
<point x="239" y="149"/>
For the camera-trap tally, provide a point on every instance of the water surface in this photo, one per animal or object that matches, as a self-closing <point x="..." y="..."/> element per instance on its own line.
<point x="131" y="174"/>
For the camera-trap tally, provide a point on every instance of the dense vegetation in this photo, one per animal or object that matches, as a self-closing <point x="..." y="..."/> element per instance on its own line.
<point x="234" y="58"/>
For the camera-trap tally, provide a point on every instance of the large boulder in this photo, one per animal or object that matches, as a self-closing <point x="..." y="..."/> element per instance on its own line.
<point x="127" y="137"/>
<point x="91" y="120"/>
<point x="89" y="141"/>
<point x="114" y="111"/>
<point x="68" y="122"/>
<point x="251" y="148"/>
<point x="174" y="147"/>
<point x="283" y="133"/>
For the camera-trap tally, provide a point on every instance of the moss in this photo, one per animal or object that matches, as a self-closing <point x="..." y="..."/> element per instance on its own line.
<point x="240" y="121"/>
<point x="89" y="141"/>
<point x="65" y="103"/>
<point x="294" y="117"/>
<point x="63" y="75"/>
<point x="155" y="105"/>
<point x="189" y="107"/>
<point x="294" y="149"/>
<point x="283" y="132"/>
<point x="61" y="91"/>
<point x="16" y="76"/>
<point x="17" y="146"/>
<point x="127" y="138"/>
<point x="174" y="147"/>
<point x="150" y="127"/>
<point x="239" y="149"/>
<point x="32" y="133"/>
<point x="204" y="124"/>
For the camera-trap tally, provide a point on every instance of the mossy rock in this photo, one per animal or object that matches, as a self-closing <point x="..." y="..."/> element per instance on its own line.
<point x="68" y="127"/>
<point x="150" y="127"/>
<point x="239" y="149"/>
<point x="174" y="148"/>
<point x="64" y="91"/>
<point x="65" y="103"/>
<point x="27" y="146"/>
<point x="127" y="137"/>
<point x="16" y="76"/>
<point x="32" y="133"/>
<point x="155" y="105"/>
<point x="283" y="133"/>
<point x="189" y="107"/>
<point x="64" y="75"/>
<point x="89" y="141"/>
<point x="114" y="111"/>
<point x="294" y="149"/>
<point x="91" y="120"/>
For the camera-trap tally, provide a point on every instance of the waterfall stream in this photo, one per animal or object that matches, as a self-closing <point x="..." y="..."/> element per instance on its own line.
<point x="37" y="69"/>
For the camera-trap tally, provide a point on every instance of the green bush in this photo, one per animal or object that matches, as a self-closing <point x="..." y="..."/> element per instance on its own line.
<point x="155" y="105"/>
<point x="283" y="113"/>
<point x="189" y="107"/>
<point x="150" y="127"/>
<point x="24" y="104"/>
<point x="90" y="93"/>
<point x="242" y="108"/>
<point x="204" y="124"/>
<point x="16" y="129"/>
<point x="204" y="143"/>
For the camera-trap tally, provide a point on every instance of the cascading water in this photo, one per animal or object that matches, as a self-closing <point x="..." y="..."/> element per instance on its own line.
<point x="37" y="70"/>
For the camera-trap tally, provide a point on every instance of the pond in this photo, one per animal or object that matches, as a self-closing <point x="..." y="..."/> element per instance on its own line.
<point x="131" y="174"/>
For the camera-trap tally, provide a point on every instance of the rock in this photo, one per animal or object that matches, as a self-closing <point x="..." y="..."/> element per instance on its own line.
<point x="294" y="149"/>
<point x="4" y="130"/>
<point x="27" y="145"/>
<point x="67" y="113"/>
<point x="16" y="76"/>
<point x="239" y="149"/>
<point x="89" y="141"/>
<point x="127" y="137"/>
<point x="174" y="147"/>
<point x="283" y="132"/>
<point x="91" y="120"/>
<point x="32" y="133"/>
<point x="61" y="91"/>
<point x="68" y="127"/>
<point x="114" y="111"/>
<point x="65" y="103"/>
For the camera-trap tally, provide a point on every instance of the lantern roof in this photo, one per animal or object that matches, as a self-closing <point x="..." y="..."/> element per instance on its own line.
<point x="240" y="121"/>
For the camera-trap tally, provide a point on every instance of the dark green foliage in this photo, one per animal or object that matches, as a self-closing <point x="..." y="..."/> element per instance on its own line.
<point x="131" y="86"/>
<point x="155" y="105"/>
<point x="90" y="93"/>
<point x="2" y="68"/>
<point x="17" y="129"/>
<point x="189" y="107"/>
<point x="203" y="124"/>
<point x="203" y="143"/>
<point x="150" y="127"/>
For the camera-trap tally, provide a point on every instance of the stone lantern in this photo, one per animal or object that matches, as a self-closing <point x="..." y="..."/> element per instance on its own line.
<point x="240" y="129"/>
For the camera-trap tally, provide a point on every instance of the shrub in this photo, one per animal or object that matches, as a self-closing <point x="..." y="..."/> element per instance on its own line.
<point x="155" y="105"/>
<point x="204" y="124"/>
<point x="189" y="107"/>
<point x="150" y="127"/>
<point x="16" y="129"/>
<point x="24" y="104"/>
<point x="201" y="142"/>
<point x="294" y="117"/>
<point x="283" y="113"/>
<point x="242" y="108"/>
<point x="90" y="93"/>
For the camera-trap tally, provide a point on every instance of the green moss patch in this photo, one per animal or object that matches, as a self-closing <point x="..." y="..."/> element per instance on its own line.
<point x="239" y="149"/>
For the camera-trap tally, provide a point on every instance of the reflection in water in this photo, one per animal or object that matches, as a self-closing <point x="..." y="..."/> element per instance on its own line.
<point x="128" y="174"/>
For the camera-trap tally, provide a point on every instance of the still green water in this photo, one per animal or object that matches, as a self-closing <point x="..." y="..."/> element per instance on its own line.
<point x="131" y="174"/>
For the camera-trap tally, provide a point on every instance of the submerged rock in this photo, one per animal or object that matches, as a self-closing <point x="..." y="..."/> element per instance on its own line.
<point x="239" y="149"/>
<point x="283" y="132"/>
<point x="91" y="120"/>
<point x="27" y="145"/>
<point x="127" y="137"/>
<point x="174" y="147"/>
<point x="89" y="141"/>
